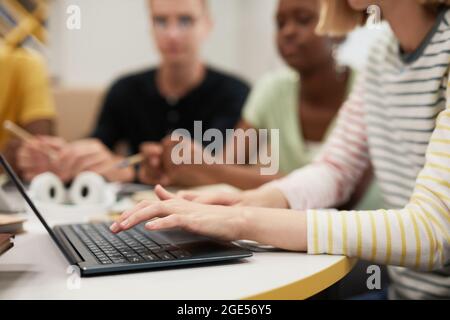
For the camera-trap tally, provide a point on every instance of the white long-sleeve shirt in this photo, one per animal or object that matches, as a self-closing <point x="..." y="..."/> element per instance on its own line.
<point x="398" y="118"/>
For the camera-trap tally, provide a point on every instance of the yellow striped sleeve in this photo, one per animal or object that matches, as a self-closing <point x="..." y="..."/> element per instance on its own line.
<point x="417" y="236"/>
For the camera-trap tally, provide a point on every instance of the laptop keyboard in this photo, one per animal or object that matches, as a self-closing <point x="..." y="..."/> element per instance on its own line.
<point x="132" y="246"/>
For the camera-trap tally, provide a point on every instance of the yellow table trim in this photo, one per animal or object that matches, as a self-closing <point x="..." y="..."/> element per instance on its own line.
<point x="309" y="286"/>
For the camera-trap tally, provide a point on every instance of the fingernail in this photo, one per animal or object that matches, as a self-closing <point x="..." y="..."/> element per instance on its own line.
<point x="149" y="225"/>
<point x="114" y="227"/>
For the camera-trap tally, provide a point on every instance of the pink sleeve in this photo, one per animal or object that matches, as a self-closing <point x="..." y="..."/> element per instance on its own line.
<point x="330" y="180"/>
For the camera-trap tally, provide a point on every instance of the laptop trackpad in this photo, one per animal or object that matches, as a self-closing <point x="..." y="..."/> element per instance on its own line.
<point x="175" y="236"/>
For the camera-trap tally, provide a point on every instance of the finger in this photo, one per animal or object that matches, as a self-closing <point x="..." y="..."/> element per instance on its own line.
<point x="103" y="167"/>
<point x="67" y="153"/>
<point x="188" y="195"/>
<point x="48" y="146"/>
<point x="66" y="165"/>
<point x="216" y="198"/>
<point x="165" y="180"/>
<point x="154" y="161"/>
<point x="169" y="222"/>
<point x="92" y="162"/>
<point x="27" y="160"/>
<point x="72" y="157"/>
<point x="156" y="210"/>
<point x="151" y="149"/>
<point x="78" y="150"/>
<point x="148" y="176"/>
<point x="167" y="140"/>
<point x="144" y="177"/>
<point x="163" y="194"/>
<point x="34" y="148"/>
<point x="131" y="211"/>
<point x="84" y="155"/>
<point x="54" y="143"/>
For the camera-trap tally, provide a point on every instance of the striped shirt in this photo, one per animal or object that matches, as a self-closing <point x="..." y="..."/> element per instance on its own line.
<point x="398" y="118"/>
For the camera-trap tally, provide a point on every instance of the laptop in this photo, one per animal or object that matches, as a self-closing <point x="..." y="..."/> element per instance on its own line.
<point x="95" y="250"/>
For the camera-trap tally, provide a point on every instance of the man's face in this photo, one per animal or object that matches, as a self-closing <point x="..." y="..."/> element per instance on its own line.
<point x="180" y="27"/>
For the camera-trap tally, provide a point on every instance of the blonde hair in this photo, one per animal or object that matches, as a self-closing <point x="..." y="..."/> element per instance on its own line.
<point x="337" y="18"/>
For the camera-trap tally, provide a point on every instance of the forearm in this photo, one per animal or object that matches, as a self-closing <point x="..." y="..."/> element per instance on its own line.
<point x="127" y="175"/>
<point x="240" y="176"/>
<point x="281" y="228"/>
<point x="331" y="178"/>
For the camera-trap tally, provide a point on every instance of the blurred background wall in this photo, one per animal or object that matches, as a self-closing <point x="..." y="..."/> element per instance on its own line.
<point x="115" y="39"/>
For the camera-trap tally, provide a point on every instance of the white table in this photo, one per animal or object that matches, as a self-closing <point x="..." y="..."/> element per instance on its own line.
<point x="36" y="269"/>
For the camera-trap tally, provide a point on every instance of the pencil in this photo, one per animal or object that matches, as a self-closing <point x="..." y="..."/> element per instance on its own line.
<point x="123" y="164"/>
<point x="130" y="161"/>
<point x="18" y="131"/>
<point x="25" y="136"/>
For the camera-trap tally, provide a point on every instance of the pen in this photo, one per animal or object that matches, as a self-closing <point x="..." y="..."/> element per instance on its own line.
<point x="130" y="161"/>
<point x="25" y="136"/>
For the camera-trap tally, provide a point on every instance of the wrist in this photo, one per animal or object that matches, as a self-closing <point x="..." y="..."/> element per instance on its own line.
<point x="244" y="223"/>
<point x="126" y="175"/>
<point x="273" y="197"/>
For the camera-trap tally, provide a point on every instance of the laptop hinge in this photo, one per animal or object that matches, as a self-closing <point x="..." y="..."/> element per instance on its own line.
<point x="66" y="247"/>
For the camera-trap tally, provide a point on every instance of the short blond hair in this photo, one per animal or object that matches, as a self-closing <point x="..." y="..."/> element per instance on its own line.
<point x="337" y="18"/>
<point x="205" y="4"/>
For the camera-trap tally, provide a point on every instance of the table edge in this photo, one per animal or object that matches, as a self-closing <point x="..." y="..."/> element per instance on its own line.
<point x="309" y="286"/>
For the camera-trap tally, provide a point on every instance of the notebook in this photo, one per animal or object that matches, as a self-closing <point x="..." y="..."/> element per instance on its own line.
<point x="11" y="223"/>
<point x="6" y="242"/>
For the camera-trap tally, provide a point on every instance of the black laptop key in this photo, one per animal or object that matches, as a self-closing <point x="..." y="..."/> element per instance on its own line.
<point x="152" y="247"/>
<point x="116" y="257"/>
<point x="136" y="259"/>
<point x="128" y="252"/>
<point x="169" y="247"/>
<point x="143" y="251"/>
<point x="119" y="260"/>
<point x="165" y="256"/>
<point x="158" y="250"/>
<point x="105" y="260"/>
<point x="132" y="246"/>
<point x="149" y="257"/>
<point x="180" y="254"/>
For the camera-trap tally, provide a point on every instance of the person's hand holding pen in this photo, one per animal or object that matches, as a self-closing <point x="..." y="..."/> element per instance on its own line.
<point x="40" y="154"/>
<point x="160" y="167"/>
<point x="36" y="154"/>
<point x="151" y="171"/>
<point x="92" y="155"/>
<point x="189" y="172"/>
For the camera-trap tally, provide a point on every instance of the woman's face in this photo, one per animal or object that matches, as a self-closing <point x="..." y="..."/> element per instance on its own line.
<point x="297" y="42"/>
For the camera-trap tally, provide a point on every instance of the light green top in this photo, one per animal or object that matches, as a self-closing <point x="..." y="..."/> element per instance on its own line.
<point x="273" y="104"/>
